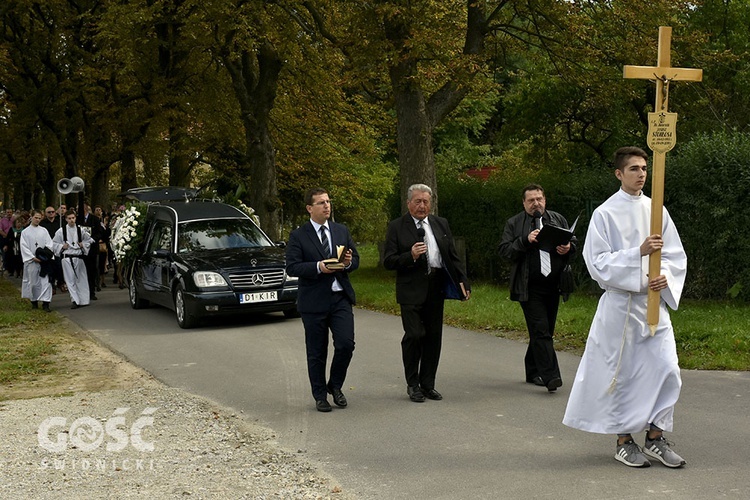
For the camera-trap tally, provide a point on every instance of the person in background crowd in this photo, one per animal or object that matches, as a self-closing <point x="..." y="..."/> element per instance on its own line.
<point x="6" y="224"/>
<point x="71" y="243"/>
<point x="12" y="250"/>
<point x="52" y="222"/>
<point x="104" y="251"/>
<point x="35" y="287"/>
<point x="93" y="224"/>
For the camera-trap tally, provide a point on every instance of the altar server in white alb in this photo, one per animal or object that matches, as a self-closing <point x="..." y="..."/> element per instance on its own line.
<point x="35" y="287"/>
<point x="628" y="381"/>
<point x="72" y="244"/>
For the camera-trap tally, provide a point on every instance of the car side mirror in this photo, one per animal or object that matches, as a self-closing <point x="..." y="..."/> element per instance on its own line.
<point x="281" y="244"/>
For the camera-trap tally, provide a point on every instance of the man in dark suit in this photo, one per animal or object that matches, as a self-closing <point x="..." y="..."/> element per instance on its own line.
<point x="420" y="248"/>
<point x="534" y="282"/>
<point x="93" y="226"/>
<point x="325" y="296"/>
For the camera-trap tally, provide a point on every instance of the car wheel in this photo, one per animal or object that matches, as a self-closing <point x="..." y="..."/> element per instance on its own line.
<point x="291" y="313"/>
<point x="184" y="319"/>
<point x="136" y="302"/>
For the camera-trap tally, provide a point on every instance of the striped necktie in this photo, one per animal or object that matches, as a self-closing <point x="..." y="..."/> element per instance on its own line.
<point x="544" y="260"/>
<point x="324" y="243"/>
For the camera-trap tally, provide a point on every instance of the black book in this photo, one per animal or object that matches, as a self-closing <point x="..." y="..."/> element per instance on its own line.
<point x="551" y="236"/>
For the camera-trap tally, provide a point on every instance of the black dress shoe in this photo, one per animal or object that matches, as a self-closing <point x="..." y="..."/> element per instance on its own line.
<point x="432" y="394"/>
<point x="338" y="397"/>
<point x="74" y="306"/>
<point x="553" y="384"/>
<point x="323" y="405"/>
<point x="536" y="381"/>
<point x="415" y="394"/>
<point x="94" y="297"/>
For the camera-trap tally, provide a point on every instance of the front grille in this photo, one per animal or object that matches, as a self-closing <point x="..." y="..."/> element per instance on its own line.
<point x="271" y="278"/>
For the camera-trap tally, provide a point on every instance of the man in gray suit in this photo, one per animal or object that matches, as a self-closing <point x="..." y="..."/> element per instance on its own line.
<point x="420" y="248"/>
<point x="325" y="296"/>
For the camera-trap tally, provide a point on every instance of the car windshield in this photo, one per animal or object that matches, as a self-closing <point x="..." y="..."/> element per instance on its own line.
<point x="220" y="234"/>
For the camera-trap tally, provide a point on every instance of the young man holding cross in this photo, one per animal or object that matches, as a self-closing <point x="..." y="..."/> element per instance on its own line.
<point x="628" y="380"/>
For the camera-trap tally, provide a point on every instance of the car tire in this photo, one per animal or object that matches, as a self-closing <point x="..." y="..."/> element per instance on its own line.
<point x="184" y="319"/>
<point x="291" y="313"/>
<point x="136" y="302"/>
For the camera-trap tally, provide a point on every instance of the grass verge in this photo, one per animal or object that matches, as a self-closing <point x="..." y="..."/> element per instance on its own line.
<point x="27" y="340"/>
<point x="43" y="354"/>
<point x="710" y="335"/>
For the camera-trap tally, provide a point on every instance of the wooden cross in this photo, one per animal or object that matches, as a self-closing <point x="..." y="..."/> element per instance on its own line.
<point x="663" y="73"/>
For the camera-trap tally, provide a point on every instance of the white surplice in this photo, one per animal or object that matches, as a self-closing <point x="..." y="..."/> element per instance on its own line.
<point x="628" y="379"/>
<point x="33" y="286"/>
<point x="73" y="263"/>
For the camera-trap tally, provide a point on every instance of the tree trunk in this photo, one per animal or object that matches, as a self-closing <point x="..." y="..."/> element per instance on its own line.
<point x="264" y="195"/>
<point x="100" y="189"/>
<point x="414" y="134"/>
<point x="128" y="177"/>
<point x="418" y="116"/>
<point x="255" y="78"/>
<point x="180" y="166"/>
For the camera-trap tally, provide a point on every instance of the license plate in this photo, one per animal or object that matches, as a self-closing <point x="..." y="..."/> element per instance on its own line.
<point x="249" y="298"/>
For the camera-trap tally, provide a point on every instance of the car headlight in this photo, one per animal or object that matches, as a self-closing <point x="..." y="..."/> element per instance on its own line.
<point x="206" y="279"/>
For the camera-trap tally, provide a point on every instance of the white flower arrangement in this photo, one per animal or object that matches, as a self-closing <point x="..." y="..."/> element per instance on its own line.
<point x="249" y="211"/>
<point x="127" y="233"/>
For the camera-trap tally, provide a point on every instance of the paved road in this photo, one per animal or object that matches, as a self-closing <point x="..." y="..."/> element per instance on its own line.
<point x="493" y="436"/>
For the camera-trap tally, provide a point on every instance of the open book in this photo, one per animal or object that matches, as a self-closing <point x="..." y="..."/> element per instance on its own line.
<point x="336" y="263"/>
<point x="551" y="236"/>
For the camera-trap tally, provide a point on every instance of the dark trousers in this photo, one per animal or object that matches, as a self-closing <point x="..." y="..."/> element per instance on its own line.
<point x="423" y="335"/>
<point x="92" y="269"/>
<point x="540" y="312"/>
<point x="340" y="320"/>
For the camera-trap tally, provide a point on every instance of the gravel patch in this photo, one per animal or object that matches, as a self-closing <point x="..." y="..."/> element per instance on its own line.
<point x="153" y="442"/>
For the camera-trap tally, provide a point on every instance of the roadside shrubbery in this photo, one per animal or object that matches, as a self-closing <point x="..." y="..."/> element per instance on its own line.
<point x="707" y="189"/>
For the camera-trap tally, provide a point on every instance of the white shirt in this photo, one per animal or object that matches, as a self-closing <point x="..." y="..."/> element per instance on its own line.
<point x="336" y="287"/>
<point x="433" y="252"/>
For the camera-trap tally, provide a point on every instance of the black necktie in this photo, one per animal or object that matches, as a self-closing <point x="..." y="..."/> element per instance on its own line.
<point x="324" y="242"/>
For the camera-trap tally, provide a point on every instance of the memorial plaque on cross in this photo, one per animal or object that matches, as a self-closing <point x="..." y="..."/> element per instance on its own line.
<point x="661" y="138"/>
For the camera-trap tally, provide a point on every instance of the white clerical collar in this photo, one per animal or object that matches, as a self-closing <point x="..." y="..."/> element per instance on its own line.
<point x="633" y="197"/>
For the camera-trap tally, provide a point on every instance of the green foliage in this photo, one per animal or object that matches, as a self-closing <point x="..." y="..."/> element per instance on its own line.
<point x="710" y="213"/>
<point x="478" y="210"/>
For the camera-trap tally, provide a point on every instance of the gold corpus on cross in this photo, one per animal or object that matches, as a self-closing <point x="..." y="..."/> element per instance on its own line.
<point x="663" y="74"/>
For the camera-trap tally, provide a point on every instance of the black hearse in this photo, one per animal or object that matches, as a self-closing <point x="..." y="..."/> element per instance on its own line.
<point x="204" y="259"/>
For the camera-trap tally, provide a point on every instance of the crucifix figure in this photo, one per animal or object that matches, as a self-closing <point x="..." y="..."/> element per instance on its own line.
<point x="661" y="138"/>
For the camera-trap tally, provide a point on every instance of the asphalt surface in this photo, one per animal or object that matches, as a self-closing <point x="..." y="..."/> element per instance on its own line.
<point x="493" y="436"/>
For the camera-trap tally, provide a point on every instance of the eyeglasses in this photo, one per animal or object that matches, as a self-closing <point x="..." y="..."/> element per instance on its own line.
<point x="50" y="211"/>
